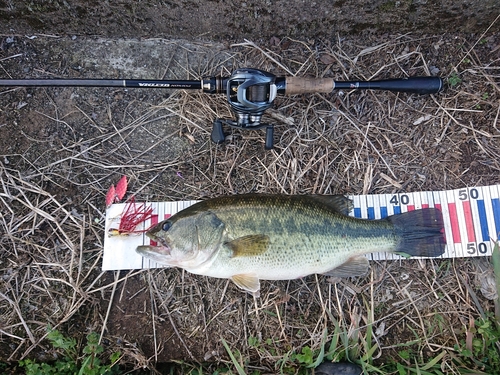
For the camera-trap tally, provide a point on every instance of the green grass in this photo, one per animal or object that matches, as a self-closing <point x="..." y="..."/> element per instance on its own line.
<point x="71" y="363"/>
<point x="454" y="80"/>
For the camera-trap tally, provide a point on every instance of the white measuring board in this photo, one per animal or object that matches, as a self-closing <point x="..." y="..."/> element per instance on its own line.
<point x="471" y="222"/>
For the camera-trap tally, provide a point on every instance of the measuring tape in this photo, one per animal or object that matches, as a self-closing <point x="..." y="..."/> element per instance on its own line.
<point x="471" y="222"/>
<point x="471" y="215"/>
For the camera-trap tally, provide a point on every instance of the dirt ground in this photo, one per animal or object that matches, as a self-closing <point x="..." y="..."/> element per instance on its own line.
<point x="61" y="148"/>
<point x="257" y="20"/>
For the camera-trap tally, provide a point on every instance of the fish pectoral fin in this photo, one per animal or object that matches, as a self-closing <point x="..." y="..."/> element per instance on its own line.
<point x="247" y="282"/>
<point x="353" y="267"/>
<point x="254" y="244"/>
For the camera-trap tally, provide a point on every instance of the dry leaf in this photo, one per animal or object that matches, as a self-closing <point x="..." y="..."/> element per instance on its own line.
<point x="422" y="119"/>
<point x="327" y="59"/>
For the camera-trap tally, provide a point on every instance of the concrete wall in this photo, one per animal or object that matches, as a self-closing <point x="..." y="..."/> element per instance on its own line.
<point x="217" y="19"/>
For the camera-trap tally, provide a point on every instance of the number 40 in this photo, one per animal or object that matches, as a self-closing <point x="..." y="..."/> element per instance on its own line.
<point x="405" y="199"/>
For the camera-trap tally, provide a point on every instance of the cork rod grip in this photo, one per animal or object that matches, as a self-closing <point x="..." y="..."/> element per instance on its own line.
<point x="304" y="85"/>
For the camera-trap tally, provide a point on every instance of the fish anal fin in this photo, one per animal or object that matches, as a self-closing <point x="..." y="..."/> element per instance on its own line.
<point x="338" y="203"/>
<point x="357" y="266"/>
<point x="250" y="245"/>
<point x="247" y="282"/>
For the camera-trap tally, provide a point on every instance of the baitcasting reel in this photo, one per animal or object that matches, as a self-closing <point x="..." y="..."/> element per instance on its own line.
<point x="249" y="92"/>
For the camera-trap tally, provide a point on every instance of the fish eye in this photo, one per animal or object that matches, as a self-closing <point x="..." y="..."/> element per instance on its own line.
<point x="166" y="225"/>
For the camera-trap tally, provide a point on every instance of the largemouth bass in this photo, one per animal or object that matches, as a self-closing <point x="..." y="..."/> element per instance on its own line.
<point x="255" y="237"/>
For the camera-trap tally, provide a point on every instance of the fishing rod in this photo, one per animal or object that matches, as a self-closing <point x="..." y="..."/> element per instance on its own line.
<point x="249" y="92"/>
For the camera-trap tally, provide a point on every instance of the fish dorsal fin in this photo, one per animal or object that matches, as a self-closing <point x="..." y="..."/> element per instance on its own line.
<point x="251" y="245"/>
<point x="357" y="266"/>
<point x="247" y="282"/>
<point x="338" y="203"/>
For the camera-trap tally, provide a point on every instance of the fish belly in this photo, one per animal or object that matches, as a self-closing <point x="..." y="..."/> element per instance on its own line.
<point x="294" y="256"/>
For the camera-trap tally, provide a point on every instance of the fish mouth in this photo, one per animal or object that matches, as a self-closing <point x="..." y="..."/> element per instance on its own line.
<point x="160" y="254"/>
<point x="160" y="240"/>
<point x="161" y="249"/>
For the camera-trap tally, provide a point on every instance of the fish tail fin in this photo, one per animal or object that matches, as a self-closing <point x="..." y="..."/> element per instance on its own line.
<point x="421" y="232"/>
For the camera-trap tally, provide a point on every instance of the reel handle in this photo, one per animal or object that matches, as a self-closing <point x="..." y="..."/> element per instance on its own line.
<point x="269" y="137"/>
<point x="217" y="134"/>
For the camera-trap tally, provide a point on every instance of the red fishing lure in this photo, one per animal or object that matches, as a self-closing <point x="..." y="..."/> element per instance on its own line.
<point x="133" y="215"/>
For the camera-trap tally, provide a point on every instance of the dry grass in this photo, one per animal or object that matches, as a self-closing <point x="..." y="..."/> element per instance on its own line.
<point x="51" y="209"/>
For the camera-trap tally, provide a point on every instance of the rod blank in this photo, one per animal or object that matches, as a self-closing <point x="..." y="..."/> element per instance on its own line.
<point x="133" y="83"/>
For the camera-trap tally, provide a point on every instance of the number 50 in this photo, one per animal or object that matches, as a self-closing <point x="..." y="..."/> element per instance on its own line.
<point x="481" y="247"/>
